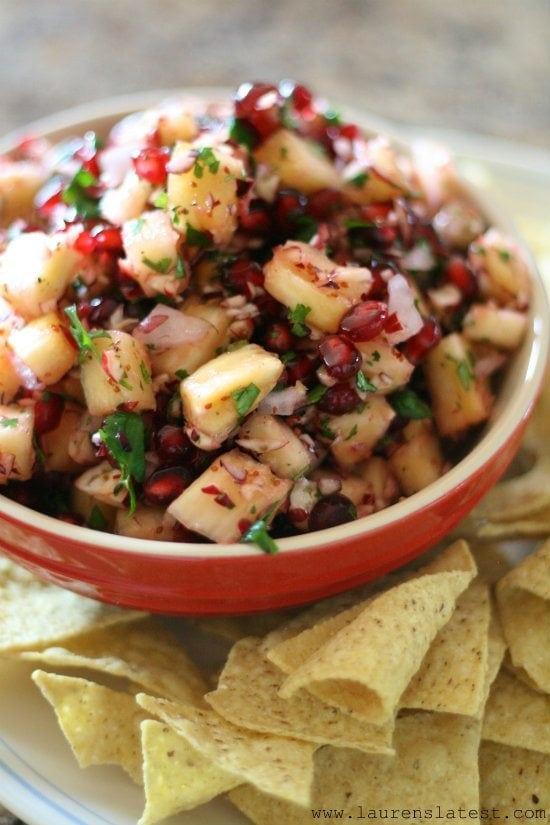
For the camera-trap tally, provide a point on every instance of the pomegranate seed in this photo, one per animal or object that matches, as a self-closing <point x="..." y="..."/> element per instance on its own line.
<point x="49" y="196"/>
<point x="300" y="369"/>
<point x="302" y="98"/>
<point x="289" y="205"/>
<point x="342" y="360"/>
<point x="392" y="324"/>
<point x="163" y="486"/>
<point x="350" y="131"/>
<point x="416" y="347"/>
<point x="259" y="105"/>
<point x="364" y="321"/>
<point x="47" y="413"/>
<point x="298" y="514"/>
<point x="279" y="338"/>
<point x="130" y="289"/>
<point x="324" y="203"/>
<point x="331" y="511"/>
<point x="99" y="310"/>
<point x="459" y="273"/>
<point x="243" y="275"/>
<point x="254" y="215"/>
<point x="172" y="442"/>
<point x="150" y="165"/>
<point x="339" y="399"/>
<point x="108" y="239"/>
<point x="376" y="212"/>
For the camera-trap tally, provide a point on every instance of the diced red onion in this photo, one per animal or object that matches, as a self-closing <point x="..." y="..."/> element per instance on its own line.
<point x="401" y="301"/>
<point x="166" y="327"/>
<point x="233" y="468"/>
<point x="420" y="258"/>
<point x="284" y="402"/>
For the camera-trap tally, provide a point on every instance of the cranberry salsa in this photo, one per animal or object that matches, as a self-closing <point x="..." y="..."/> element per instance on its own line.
<point x="242" y="321"/>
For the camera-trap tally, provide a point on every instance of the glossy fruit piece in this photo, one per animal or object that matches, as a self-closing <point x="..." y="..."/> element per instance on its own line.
<point x="300" y="369"/>
<point x="339" y="399"/>
<point x="259" y="105"/>
<point x="150" y="165"/>
<point x="244" y="275"/>
<point x="331" y="511"/>
<point x="342" y="360"/>
<point x="364" y="321"/>
<point x="172" y="443"/>
<point x="47" y="412"/>
<point x="164" y="485"/>
<point x="420" y="344"/>
<point x="254" y="215"/>
<point x="279" y="338"/>
<point x="458" y="272"/>
<point x="289" y="206"/>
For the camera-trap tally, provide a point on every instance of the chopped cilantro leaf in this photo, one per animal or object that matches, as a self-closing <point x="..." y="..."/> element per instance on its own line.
<point x="9" y="423"/>
<point x="306" y="228"/>
<point x="161" y="266"/>
<point x="316" y="394"/>
<point x="363" y="384"/>
<point x="351" y="433"/>
<point x="326" y="431"/>
<point x="258" y="534"/>
<point x="289" y="356"/>
<point x="297" y="317"/>
<point x="124" y="436"/>
<point x="358" y="223"/>
<point x="84" y="338"/>
<point x="206" y="159"/>
<point x="240" y="133"/>
<point x="161" y="200"/>
<point x="504" y="255"/>
<point x="244" y="399"/>
<point x="145" y="374"/>
<point x="181" y="269"/>
<point x="75" y="194"/>
<point x="333" y="117"/>
<point x="358" y="180"/>
<point x="465" y="374"/>
<point x="181" y="374"/>
<point x="97" y="520"/>
<point x="408" y="404"/>
<point x="195" y="237"/>
<point x="242" y="342"/>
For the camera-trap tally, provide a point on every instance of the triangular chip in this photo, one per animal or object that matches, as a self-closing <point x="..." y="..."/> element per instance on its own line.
<point x="100" y="724"/>
<point x="435" y="765"/>
<point x="366" y="665"/>
<point x="523" y="598"/>
<point x="451" y="678"/>
<point x="34" y="614"/>
<point x="277" y="766"/>
<point x="233" y="628"/>
<point x="495" y="656"/>
<point x="143" y="652"/>
<point x="517" y="716"/>
<point x="248" y="695"/>
<point x="515" y="783"/>
<point x="176" y="777"/>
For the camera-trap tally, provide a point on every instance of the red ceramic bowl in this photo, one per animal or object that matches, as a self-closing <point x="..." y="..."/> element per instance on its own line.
<point x="188" y="579"/>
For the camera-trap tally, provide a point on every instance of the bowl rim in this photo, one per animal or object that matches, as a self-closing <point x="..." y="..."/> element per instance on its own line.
<point x="530" y="367"/>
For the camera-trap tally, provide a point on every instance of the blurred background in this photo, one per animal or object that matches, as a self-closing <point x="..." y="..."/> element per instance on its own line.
<point x="479" y="65"/>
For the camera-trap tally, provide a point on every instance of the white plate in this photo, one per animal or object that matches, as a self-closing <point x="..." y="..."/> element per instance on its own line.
<point x="39" y="779"/>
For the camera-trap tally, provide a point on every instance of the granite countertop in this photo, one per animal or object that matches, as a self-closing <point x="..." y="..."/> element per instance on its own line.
<point x="477" y="66"/>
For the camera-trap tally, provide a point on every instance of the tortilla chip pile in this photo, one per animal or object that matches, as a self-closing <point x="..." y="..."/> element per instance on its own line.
<point x="429" y="690"/>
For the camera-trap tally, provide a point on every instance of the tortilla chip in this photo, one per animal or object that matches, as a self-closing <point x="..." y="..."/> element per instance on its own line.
<point x="34" y="614"/>
<point x="435" y="764"/>
<point x="101" y="725"/>
<point x="535" y="527"/>
<point x="517" y="716"/>
<point x="492" y="561"/>
<point x="451" y="678"/>
<point x="513" y="780"/>
<point x="233" y="628"/>
<point x="495" y="656"/>
<point x="176" y="777"/>
<point x="523" y="598"/>
<point x="366" y="666"/>
<point x="144" y="652"/>
<point x="277" y="766"/>
<point x="247" y="695"/>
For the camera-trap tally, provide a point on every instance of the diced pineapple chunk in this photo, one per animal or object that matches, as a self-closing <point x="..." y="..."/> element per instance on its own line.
<point x="175" y="123"/>
<point x="501" y="327"/>
<point x="298" y="162"/>
<point x="121" y="375"/>
<point x="229" y="496"/>
<point x="16" y="443"/>
<point x="205" y="196"/>
<point x="276" y="445"/>
<point x="151" y="247"/>
<point x="19" y="183"/>
<point x="45" y="347"/>
<point x="385" y="366"/>
<point x="103" y="483"/>
<point x="382" y="488"/>
<point x="189" y="356"/>
<point x="376" y="174"/>
<point x="459" y="399"/>
<point x="501" y="269"/>
<point x="356" y="433"/>
<point x="217" y="395"/>
<point x="127" y="201"/>
<point x="418" y="462"/>
<point x="9" y="379"/>
<point x="300" y="274"/>
<point x="92" y="509"/>
<point x="55" y="443"/>
<point x="146" y="523"/>
<point x="35" y="271"/>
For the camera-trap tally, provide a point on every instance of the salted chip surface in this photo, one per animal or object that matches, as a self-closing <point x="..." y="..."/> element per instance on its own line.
<point x="144" y="652"/>
<point x="451" y="678"/>
<point x="176" y="777"/>
<point x="101" y="725"/>
<point x="435" y="765"/>
<point x="275" y="765"/>
<point x="248" y="695"/>
<point x="34" y="614"/>
<point x="496" y="650"/>
<point x="366" y="666"/>
<point x="517" y="716"/>
<point x="233" y="628"/>
<point x="523" y="598"/>
<point x="514" y="782"/>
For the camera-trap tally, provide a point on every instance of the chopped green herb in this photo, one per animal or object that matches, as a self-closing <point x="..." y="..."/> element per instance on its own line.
<point x="358" y="180"/>
<point x="333" y="117"/>
<point x="326" y="431"/>
<point x="287" y="357"/>
<point x="161" y="266"/>
<point x="258" y="534"/>
<point x="181" y="374"/>
<point x="408" y="404"/>
<point x="124" y="436"/>
<point x="75" y="194"/>
<point x="242" y="342"/>
<point x="358" y="223"/>
<point x="465" y="374"/>
<point x="240" y="133"/>
<point x="161" y="200"/>
<point x="351" y="433"/>
<point x="145" y="374"/>
<point x="195" y="237"/>
<point x="97" y="520"/>
<point x="124" y="382"/>
<point x="206" y="159"/>
<point x="244" y="399"/>
<point x="363" y="384"/>
<point x="306" y="228"/>
<point x="297" y="317"/>
<point x="84" y="338"/>
<point x="504" y="255"/>
<point x="316" y="394"/>
<point x="9" y="423"/>
<point x="181" y="269"/>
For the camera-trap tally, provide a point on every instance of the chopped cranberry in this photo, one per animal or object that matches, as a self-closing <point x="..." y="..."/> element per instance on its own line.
<point x="259" y="105"/>
<point x="244" y="275"/>
<point x="364" y="321"/>
<point x="254" y="215"/>
<point x="459" y="273"/>
<point x="331" y="511"/>
<point x="164" y="485"/>
<point x="288" y="207"/>
<point x="342" y="360"/>
<point x="47" y="413"/>
<point x="300" y="370"/>
<point x="172" y="442"/>
<point x="324" y="203"/>
<point x="416" y="347"/>
<point x="150" y="165"/>
<point x="339" y="399"/>
<point x="279" y="338"/>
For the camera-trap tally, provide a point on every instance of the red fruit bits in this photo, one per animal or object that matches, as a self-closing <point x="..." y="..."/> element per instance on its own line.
<point x="365" y="321"/>
<point x="342" y="360"/>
